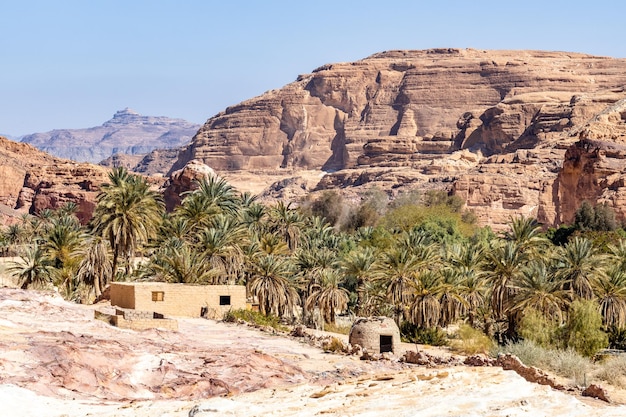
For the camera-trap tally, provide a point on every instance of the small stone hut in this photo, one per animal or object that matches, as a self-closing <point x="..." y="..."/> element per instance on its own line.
<point x="375" y="334"/>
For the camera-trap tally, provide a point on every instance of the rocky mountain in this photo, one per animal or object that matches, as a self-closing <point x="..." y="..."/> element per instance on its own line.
<point x="33" y="180"/>
<point x="511" y="132"/>
<point x="127" y="132"/>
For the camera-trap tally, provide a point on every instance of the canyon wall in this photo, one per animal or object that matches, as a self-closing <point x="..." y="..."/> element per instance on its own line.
<point x="498" y="128"/>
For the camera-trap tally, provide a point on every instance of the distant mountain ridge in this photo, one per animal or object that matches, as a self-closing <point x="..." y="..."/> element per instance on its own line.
<point x="128" y="132"/>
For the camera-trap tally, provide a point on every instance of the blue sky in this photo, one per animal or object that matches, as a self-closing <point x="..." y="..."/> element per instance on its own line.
<point x="73" y="64"/>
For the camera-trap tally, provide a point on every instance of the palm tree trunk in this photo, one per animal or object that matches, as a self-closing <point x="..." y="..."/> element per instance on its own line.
<point x="114" y="266"/>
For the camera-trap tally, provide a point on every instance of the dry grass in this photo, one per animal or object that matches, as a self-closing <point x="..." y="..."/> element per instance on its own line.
<point x="470" y="341"/>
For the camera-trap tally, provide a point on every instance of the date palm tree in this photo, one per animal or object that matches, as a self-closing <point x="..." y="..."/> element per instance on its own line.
<point x="397" y="270"/>
<point x="503" y="266"/>
<point x="179" y="262"/>
<point x="221" y="245"/>
<point x="610" y="290"/>
<point x="33" y="268"/>
<point x="539" y="289"/>
<point x="580" y="263"/>
<point x="425" y="308"/>
<point x="526" y="233"/>
<point x="288" y="223"/>
<point x="270" y="282"/>
<point x="358" y="266"/>
<point x="127" y="214"/>
<point x="95" y="267"/>
<point x="328" y="295"/>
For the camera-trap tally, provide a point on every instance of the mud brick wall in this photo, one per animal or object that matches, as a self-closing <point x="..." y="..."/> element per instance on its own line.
<point x="178" y="299"/>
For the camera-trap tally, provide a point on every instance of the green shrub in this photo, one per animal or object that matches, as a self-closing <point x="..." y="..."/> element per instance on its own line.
<point x="255" y="318"/>
<point x="583" y="330"/>
<point x="430" y="336"/>
<point x="535" y="327"/>
<point x="471" y="341"/>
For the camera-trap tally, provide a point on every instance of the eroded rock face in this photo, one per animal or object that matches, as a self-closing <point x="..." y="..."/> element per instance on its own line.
<point x="490" y="126"/>
<point x="33" y="180"/>
<point x="183" y="180"/>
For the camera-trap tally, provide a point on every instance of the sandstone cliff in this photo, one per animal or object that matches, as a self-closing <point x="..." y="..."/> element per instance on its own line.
<point x="127" y="133"/>
<point x="491" y="126"/>
<point x="33" y="180"/>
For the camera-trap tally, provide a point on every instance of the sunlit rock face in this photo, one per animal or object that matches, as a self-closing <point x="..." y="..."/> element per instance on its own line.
<point x="491" y="126"/>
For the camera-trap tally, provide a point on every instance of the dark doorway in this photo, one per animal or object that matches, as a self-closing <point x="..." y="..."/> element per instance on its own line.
<point x="386" y="343"/>
<point x="224" y="300"/>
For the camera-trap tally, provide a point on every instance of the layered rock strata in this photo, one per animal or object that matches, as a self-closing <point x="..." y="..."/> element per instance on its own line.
<point x="33" y="180"/>
<point x="491" y="126"/>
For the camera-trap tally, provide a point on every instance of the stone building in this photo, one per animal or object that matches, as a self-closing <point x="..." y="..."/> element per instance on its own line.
<point x="375" y="334"/>
<point x="178" y="299"/>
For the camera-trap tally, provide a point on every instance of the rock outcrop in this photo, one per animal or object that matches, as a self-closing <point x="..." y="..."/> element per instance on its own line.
<point x="491" y="126"/>
<point x="33" y="180"/>
<point x="127" y="132"/>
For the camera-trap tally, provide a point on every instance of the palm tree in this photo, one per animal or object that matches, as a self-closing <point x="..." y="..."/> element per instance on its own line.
<point x="221" y="245"/>
<point x="33" y="268"/>
<point x="95" y="268"/>
<point x="328" y="295"/>
<point x="453" y="304"/>
<point x="288" y="223"/>
<point x="178" y="262"/>
<point x="610" y="289"/>
<point x="213" y="195"/>
<point x="618" y="251"/>
<point x="271" y="284"/>
<point x="397" y="270"/>
<point x="580" y="263"/>
<point x="358" y="266"/>
<point x="196" y="211"/>
<point x="272" y="244"/>
<point x="539" y="289"/>
<point x="502" y="268"/>
<point x="127" y="214"/>
<point x="425" y="309"/>
<point x="253" y="216"/>
<point x="473" y="290"/>
<point x="64" y="241"/>
<point x="526" y="233"/>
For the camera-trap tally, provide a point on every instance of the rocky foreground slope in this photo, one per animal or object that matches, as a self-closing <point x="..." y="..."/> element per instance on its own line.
<point x="511" y="132"/>
<point x="127" y="132"/>
<point x="56" y="360"/>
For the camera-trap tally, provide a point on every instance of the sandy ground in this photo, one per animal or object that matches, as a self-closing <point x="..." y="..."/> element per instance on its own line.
<point x="56" y="360"/>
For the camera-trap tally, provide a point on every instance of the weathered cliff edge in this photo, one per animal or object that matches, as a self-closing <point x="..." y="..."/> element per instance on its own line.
<point x="505" y="130"/>
<point x="33" y="180"/>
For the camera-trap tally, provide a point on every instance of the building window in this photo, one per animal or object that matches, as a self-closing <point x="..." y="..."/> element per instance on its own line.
<point x="224" y="300"/>
<point x="158" y="295"/>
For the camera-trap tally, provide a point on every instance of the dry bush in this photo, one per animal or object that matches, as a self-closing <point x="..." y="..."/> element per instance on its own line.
<point x="333" y="345"/>
<point x="470" y="341"/>
<point x="612" y="371"/>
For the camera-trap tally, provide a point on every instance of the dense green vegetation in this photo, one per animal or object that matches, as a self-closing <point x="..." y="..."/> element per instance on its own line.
<point x="420" y="259"/>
